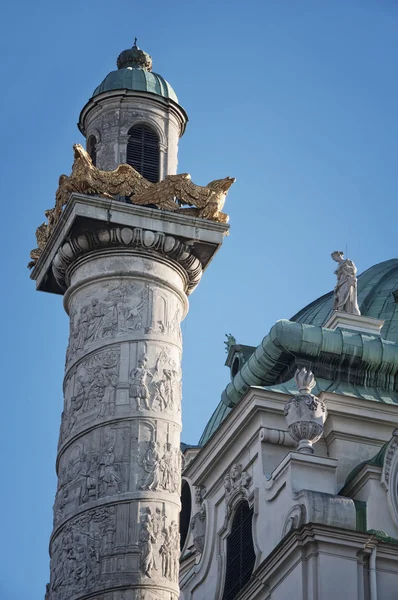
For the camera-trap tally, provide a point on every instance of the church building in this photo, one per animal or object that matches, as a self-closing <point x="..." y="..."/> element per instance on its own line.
<point x="292" y="489"/>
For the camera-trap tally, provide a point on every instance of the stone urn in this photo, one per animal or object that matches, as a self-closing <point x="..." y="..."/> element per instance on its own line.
<point x="305" y="413"/>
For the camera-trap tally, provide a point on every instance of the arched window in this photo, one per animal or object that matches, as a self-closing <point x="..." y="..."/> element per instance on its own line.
<point x="143" y="152"/>
<point x="92" y="148"/>
<point x="185" y="514"/>
<point x="240" y="552"/>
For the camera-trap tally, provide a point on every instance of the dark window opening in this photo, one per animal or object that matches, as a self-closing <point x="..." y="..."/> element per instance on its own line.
<point x="92" y="148"/>
<point x="235" y="366"/>
<point x="240" y="552"/>
<point x="143" y="152"/>
<point x="185" y="514"/>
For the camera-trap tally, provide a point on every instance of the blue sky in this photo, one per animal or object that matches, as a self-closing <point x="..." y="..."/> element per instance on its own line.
<point x="296" y="99"/>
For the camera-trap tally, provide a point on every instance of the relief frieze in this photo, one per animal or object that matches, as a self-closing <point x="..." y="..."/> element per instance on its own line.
<point x="88" y="474"/>
<point x="160" y="545"/>
<point x="124" y="308"/>
<point x="161" y="468"/>
<point x="77" y="551"/>
<point x="93" y="391"/>
<point x="158" y="387"/>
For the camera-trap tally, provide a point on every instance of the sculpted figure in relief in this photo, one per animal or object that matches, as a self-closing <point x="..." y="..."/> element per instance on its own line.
<point x="95" y="384"/>
<point x="345" y="291"/>
<point x="108" y="475"/>
<point x="152" y="466"/>
<point x="120" y="311"/>
<point x="157" y="388"/>
<point x="76" y="553"/>
<point x="139" y="383"/>
<point x="237" y="480"/>
<point x="162" y="468"/>
<point x="147" y="539"/>
<point x="169" y="551"/>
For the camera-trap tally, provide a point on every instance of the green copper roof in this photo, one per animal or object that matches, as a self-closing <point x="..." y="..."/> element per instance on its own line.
<point x="376" y="288"/>
<point x="135" y="73"/>
<point x="336" y="355"/>
<point x="137" y="79"/>
<point x="289" y="387"/>
<point x="375" y="299"/>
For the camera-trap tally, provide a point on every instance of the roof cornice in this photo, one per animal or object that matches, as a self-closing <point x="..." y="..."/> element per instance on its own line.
<point x="351" y="356"/>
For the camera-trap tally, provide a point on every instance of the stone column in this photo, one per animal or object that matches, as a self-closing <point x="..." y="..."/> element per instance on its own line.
<point x="116" y="512"/>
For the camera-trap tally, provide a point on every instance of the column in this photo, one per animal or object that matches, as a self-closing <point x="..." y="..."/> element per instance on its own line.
<point x="116" y="513"/>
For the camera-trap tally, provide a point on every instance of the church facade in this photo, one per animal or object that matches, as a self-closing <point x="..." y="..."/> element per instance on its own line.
<point x="279" y="518"/>
<point x="292" y="490"/>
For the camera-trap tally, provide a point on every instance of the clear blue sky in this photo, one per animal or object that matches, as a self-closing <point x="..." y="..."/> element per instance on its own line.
<point x="296" y="99"/>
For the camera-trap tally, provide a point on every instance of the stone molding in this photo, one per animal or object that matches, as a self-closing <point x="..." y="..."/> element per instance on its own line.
<point x="128" y="237"/>
<point x="361" y="323"/>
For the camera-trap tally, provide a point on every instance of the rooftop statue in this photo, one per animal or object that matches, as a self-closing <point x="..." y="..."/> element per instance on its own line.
<point x="345" y="292"/>
<point x="229" y="342"/>
<point x="173" y="193"/>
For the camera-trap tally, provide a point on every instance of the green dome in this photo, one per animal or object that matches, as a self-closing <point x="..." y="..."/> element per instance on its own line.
<point x="134" y="73"/>
<point x="136" y="79"/>
<point x="377" y="298"/>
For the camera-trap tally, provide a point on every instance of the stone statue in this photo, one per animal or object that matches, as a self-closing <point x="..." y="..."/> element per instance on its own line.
<point x="345" y="292"/>
<point x="229" y="342"/>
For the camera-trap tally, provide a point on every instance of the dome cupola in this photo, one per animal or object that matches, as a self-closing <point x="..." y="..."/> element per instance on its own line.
<point x="134" y="117"/>
<point x="134" y="57"/>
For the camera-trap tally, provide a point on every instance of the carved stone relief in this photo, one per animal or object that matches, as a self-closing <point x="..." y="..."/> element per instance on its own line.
<point x="92" y="392"/>
<point x="77" y="551"/>
<point x="124" y="308"/>
<point x="161" y="468"/>
<point x="236" y="482"/>
<point x="198" y="521"/>
<point x="166" y="317"/>
<point x="160" y="545"/>
<point x="96" y="471"/>
<point x="158" y="387"/>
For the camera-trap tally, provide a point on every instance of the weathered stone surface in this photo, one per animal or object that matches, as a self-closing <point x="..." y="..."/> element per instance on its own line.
<point x="110" y="120"/>
<point x="116" y="511"/>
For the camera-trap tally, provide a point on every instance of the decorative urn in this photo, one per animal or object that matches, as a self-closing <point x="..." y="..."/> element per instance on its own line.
<point x="305" y="413"/>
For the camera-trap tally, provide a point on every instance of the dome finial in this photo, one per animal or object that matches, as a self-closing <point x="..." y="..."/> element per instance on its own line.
<point x="134" y="58"/>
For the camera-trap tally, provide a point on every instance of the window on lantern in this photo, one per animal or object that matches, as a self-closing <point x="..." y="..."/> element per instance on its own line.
<point x="240" y="552"/>
<point x="92" y="148"/>
<point x="143" y="152"/>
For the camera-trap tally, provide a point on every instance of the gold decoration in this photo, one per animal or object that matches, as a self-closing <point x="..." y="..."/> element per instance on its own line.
<point x="175" y="191"/>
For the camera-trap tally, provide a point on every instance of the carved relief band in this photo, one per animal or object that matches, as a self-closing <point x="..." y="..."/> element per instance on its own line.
<point x="116" y="510"/>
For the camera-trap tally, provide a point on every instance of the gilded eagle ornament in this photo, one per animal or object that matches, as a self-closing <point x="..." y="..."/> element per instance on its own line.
<point x="175" y="193"/>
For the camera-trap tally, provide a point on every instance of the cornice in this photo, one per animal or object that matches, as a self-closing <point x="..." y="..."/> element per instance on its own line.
<point x="302" y="543"/>
<point x="224" y="437"/>
<point x="353" y="487"/>
<point x="166" y="103"/>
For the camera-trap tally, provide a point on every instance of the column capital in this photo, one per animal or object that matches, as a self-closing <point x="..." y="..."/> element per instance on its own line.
<point x="90" y="223"/>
